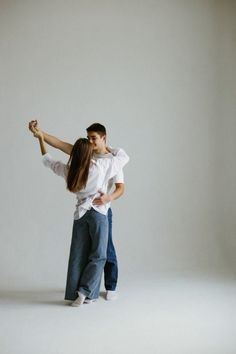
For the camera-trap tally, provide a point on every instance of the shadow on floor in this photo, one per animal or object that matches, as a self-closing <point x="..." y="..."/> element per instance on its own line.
<point x="40" y="297"/>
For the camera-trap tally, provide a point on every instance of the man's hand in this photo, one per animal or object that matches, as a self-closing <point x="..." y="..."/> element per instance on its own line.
<point x="102" y="200"/>
<point x="33" y="124"/>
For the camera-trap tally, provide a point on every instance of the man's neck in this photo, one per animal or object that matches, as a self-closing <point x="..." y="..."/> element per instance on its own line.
<point x="102" y="151"/>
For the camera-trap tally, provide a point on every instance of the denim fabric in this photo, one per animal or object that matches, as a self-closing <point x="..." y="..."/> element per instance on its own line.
<point x="111" y="266"/>
<point x="87" y="255"/>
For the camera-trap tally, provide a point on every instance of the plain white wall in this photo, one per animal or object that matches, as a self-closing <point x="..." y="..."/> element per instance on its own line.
<point x="227" y="129"/>
<point x="161" y="76"/>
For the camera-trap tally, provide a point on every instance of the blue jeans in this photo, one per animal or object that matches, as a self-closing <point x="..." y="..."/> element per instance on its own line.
<point x="87" y="255"/>
<point x="111" y="267"/>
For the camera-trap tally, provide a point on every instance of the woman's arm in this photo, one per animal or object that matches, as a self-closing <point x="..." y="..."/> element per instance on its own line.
<point x="118" y="161"/>
<point x="58" y="167"/>
<point x="39" y="134"/>
<point x="42" y="146"/>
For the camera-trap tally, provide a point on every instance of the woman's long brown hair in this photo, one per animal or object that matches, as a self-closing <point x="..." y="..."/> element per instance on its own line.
<point x="78" y="165"/>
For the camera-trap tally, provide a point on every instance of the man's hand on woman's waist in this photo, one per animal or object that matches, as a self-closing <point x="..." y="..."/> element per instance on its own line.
<point x="103" y="199"/>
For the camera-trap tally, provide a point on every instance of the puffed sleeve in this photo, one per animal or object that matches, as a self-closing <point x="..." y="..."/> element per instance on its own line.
<point x="58" y="167"/>
<point x="114" y="164"/>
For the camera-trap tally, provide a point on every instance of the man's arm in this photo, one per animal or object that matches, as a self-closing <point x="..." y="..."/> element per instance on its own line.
<point x="119" y="190"/>
<point x="106" y="198"/>
<point x="52" y="140"/>
<point x="57" y="143"/>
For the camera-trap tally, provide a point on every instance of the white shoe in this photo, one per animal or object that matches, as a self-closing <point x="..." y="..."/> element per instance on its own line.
<point x="111" y="295"/>
<point x="79" y="301"/>
<point x="89" y="301"/>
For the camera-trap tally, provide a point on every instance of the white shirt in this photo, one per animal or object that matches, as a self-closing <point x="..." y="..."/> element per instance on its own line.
<point x="118" y="178"/>
<point x="101" y="170"/>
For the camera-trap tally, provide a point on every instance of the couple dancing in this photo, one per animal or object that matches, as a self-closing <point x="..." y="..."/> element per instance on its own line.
<point x="90" y="173"/>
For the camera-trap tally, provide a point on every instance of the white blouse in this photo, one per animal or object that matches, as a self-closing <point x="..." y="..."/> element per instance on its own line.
<point x="101" y="170"/>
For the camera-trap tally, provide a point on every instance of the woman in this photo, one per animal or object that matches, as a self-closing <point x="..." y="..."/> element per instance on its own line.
<point x="87" y="179"/>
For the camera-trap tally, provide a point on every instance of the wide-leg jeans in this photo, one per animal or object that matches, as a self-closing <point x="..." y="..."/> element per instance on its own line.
<point x="87" y="255"/>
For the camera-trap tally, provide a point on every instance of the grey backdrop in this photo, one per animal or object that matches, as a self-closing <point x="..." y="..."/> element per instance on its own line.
<point x="161" y="76"/>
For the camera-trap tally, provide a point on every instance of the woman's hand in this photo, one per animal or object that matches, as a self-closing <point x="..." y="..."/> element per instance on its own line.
<point x="34" y="128"/>
<point x="37" y="133"/>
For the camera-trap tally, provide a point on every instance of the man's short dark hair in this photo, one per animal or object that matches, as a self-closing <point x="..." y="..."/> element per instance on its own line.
<point x="98" y="128"/>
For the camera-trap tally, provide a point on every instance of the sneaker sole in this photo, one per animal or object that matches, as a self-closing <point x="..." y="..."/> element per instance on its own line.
<point x="90" y="301"/>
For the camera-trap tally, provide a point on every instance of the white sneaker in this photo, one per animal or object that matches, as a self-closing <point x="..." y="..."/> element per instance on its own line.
<point x="79" y="301"/>
<point x="111" y="295"/>
<point x="89" y="301"/>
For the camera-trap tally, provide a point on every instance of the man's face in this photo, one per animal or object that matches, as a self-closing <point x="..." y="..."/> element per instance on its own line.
<point x="97" y="141"/>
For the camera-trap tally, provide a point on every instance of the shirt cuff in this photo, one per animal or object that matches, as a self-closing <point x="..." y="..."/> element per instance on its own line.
<point x="46" y="158"/>
<point x="113" y="151"/>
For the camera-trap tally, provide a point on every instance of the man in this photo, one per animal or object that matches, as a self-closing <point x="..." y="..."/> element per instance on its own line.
<point x="96" y="134"/>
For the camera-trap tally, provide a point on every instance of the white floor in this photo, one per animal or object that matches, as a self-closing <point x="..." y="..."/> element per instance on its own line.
<point x="154" y="314"/>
